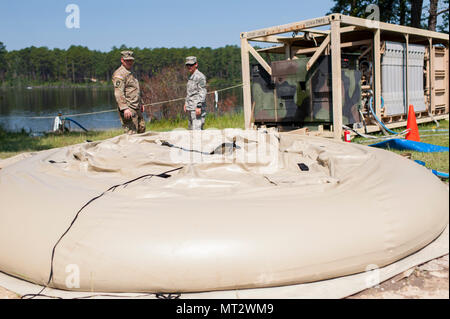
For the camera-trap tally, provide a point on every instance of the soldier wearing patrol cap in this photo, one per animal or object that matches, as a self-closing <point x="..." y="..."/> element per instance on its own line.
<point x="128" y="96"/>
<point x="195" y="103"/>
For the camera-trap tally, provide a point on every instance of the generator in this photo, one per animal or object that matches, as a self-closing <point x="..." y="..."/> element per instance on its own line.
<point x="295" y="96"/>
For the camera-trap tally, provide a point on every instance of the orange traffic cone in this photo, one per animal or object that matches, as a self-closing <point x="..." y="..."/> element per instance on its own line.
<point x="411" y="124"/>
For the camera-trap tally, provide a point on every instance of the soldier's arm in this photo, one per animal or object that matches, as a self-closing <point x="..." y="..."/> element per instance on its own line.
<point x="119" y="92"/>
<point x="202" y="89"/>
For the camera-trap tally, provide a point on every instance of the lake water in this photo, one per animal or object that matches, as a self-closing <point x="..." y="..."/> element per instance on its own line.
<point x="35" y="109"/>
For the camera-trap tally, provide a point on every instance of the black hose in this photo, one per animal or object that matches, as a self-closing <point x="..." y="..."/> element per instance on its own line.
<point x="75" y="122"/>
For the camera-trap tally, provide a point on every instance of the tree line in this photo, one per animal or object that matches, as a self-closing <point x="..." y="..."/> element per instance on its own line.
<point x="414" y="13"/>
<point x="222" y="66"/>
<point x="78" y="64"/>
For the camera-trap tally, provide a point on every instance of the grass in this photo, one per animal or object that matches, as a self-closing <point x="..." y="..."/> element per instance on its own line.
<point x="437" y="161"/>
<point x="235" y="120"/>
<point x="13" y="143"/>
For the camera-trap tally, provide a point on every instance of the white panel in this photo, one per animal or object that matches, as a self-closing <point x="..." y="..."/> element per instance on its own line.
<point x="393" y="81"/>
<point x="416" y="55"/>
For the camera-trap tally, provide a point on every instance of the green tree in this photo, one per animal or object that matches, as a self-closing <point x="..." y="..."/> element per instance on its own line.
<point x="432" y="19"/>
<point x="2" y="61"/>
<point x="353" y="8"/>
<point x="391" y="11"/>
<point x="42" y="64"/>
<point x="78" y="64"/>
<point x="403" y="10"/>
<point x="443" y="27"/>
<point x="416" y="13"/>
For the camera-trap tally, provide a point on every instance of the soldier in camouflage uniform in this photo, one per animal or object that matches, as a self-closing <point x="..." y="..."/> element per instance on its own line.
<point x="128" y="96"/>
<point x="195" y="103"/>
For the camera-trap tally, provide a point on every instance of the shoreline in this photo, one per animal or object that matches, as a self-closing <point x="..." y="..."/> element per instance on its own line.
<point x="57" y="86"/>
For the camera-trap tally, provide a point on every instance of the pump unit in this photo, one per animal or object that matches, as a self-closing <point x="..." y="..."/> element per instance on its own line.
<point x="293" y="95"/>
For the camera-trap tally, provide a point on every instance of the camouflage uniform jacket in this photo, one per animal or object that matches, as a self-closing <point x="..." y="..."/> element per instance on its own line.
<point x="126" y="89"/>
<point x="196" y="91"/>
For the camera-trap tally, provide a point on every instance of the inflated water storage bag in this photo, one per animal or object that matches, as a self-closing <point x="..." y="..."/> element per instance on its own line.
<point x="213" y="210"/>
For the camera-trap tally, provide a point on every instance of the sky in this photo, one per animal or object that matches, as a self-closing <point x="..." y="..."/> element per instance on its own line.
<point x="145" y="24"/>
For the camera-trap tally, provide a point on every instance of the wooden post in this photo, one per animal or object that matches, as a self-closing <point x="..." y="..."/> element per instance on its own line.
<point x="446" y="80"/>
<point x="432" y="77"/>
<point x="246" y="83"/>
<point x="336" y="76"/>
<point x="259" y="58"/>
<point x="287" y="51"/>
<point x="311" y="23"/>
<point x="377" y="72"/>
<point x="406" y="74"/>
<point x="318" y="52"/>
<point x="427" y="78"/>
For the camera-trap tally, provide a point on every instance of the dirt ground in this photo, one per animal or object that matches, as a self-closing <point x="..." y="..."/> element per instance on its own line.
<point x="6" y="294"/>
<point x="429" y="280"/>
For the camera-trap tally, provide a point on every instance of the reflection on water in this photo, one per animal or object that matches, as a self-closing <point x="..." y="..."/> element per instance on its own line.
<point x="19" y="106"/>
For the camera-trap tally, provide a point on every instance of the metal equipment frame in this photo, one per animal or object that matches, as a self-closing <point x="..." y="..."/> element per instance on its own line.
<point x="346" y="31"/>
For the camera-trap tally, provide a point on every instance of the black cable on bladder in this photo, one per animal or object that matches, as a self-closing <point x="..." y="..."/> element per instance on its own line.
<point x="168" y="296"/>
<point x="112" y="188"/>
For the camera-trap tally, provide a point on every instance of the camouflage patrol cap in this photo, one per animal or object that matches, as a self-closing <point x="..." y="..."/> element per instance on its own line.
<point x="127" y="55"/>
<point x="191" y="60"/>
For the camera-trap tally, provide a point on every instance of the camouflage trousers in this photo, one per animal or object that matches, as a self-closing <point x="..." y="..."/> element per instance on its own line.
<point x="196" y="122"/>
<point x="135" y="124"/>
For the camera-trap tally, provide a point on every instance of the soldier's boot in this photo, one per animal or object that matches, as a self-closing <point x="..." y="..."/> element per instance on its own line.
<point x="141" y="123"/>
